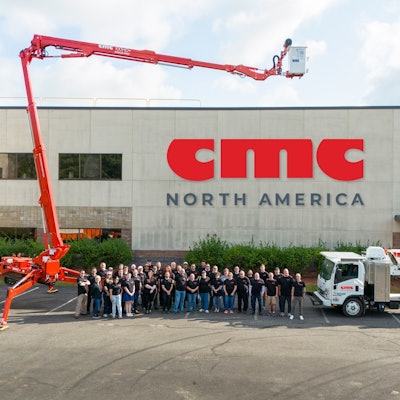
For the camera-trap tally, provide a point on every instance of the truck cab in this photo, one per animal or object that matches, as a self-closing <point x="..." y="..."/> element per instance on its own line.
<point x="341" y="282"/>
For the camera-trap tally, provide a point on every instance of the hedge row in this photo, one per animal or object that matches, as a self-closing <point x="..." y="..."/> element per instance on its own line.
<point x="87" y="253"/>
<point x="83" y="254"/>
<point x="250" y="255"/>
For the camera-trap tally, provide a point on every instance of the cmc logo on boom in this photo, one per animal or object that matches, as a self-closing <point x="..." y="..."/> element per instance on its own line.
<point x="330" y="158"/>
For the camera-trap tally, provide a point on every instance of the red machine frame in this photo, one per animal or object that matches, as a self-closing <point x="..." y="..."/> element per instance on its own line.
<point x="46" y="268"/>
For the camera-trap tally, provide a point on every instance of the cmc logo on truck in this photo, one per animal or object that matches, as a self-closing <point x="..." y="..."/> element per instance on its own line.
<point x="330" y="158"/>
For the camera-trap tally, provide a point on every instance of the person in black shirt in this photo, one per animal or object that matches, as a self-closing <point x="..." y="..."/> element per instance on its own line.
<point x="216" y="288"/>
<point x="236" y="271"/>
<point x="115" y="296"/>
<point x="128" y="292"/>
<point x="229" y="288"/>
<point x="91" y="277"/>
<point x="285" y="292"/>
<point x="256" y="291"/>
<point x="149" y="291"/>
<point x="243" y="284"/>
<point x="108" y="280"/>
<point x="271" y="286"/>
<point x="298" y="294"/>
<point x="212" y="274"/>
<point x="83" y="288"/>
<point x="138" y="288"/>
<point x="192" y="289"/>
<point x="167" y="285"/>
<point x="96" y="291"/>
<point x="204" y="291"/>
<point x="180" y="289"/>
<point x="264" y="276"/>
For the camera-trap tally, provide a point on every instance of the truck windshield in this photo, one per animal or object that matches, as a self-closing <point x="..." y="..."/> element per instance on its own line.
<point x="326" y="269"/>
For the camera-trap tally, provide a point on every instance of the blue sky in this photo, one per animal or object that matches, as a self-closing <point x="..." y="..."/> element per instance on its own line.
<point x="351" y="45"/>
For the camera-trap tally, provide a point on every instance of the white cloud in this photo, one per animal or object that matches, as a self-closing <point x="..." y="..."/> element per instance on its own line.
<point x="153" y="23"/>
<point x="316" y="48"/>
<point x="281" y="96"/>
<point x="98" y="78"/>
<point x="209" y="30"/>
<point x="258" y="32"/>
<point x="234" y="84"/>
<point x="379" y="57"/>
<point x="379" y="51"/>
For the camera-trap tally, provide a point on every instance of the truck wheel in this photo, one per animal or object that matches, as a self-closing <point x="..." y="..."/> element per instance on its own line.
<point x="353" y="308"/>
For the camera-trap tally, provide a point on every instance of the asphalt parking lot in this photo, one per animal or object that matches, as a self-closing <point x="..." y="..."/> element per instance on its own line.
<point x="47" y="354"/>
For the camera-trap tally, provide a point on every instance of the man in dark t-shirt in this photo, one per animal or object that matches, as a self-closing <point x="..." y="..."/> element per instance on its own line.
<point x="271" y="286"/>
<point x="180" y="289"/>
<point x="285" y="292"/>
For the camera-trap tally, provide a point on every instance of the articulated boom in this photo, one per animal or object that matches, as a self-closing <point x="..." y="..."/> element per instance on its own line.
<point x="73" y="48"/>
<point x="23" y="272"/>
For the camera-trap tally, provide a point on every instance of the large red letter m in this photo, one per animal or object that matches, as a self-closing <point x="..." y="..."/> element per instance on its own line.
<point x="267" y="152"/>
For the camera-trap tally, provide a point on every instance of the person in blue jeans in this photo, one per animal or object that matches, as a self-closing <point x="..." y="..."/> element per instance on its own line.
<point x="97" y="293"/>
<point x="115" y="296"/>
<point x="180" y="289"/>
<point x="216" y="288"/>
<point x="257" y="287"/>
<point x="230" y="288"/>
<point x="192" y="288"/>
<point x="204" y="291"/>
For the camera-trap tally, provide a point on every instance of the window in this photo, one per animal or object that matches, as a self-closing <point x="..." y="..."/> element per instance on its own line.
<point x="92" y="233"/>
<point x="17" y="166"/>
<point x="326" y="269"/>
<point x="90" y="166"/>
<point x="345" y="272"/>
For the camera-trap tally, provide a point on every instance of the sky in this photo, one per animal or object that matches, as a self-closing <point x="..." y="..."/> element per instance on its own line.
<point x="351" y="50"/>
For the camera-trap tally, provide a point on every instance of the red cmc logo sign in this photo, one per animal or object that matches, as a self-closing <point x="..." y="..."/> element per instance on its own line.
<point x="330" y="157"/>
<point x="346" y="287"/>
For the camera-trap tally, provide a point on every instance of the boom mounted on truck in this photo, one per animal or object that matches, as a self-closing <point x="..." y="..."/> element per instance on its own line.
<point x="24" y="272"/>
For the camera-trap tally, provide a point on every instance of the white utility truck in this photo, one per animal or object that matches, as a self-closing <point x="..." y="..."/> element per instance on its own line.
<point x="356" y="282"/>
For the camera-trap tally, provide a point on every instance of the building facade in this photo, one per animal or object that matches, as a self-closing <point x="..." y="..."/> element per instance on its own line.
<point x="163" y="178"/>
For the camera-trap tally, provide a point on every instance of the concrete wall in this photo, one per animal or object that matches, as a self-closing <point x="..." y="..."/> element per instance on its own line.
<point x="139" y="201"/>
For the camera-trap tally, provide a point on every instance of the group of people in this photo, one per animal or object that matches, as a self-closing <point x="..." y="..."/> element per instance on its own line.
<point x="172" y="288"/>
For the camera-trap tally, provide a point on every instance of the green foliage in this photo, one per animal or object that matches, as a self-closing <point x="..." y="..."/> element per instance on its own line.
<point x="211" y="249"/>
<point x="357" y="248"/>
<point x="26" y="248"/>
<point x="88" y="253"/>
<point x="249" y="255"/>
<point x="83" y="253"/>
<point x="114" y="252"/>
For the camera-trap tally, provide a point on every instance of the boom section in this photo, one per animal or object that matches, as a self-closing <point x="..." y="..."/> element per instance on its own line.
<point x="74" y="48"/>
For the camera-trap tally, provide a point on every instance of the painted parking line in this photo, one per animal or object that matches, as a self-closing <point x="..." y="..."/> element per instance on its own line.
<point x="61" y="306"/>
<point x="22" y="294"/>
<point x="325" y="317"/>
<point x="396" y="318"/>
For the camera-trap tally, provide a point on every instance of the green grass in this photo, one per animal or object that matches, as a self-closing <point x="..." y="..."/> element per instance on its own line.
<point x="311" y="288"/>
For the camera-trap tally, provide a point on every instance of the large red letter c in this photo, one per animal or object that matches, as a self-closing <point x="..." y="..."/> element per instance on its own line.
<point x="181" y="156"/>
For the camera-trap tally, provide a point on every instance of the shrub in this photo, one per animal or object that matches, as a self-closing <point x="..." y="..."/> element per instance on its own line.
<point x="26" y="248"/>
<point x="211" y="249"/>
<point x="83" y="254"/>
<point x="87" y="253"/>
<point x="248" y="255"/>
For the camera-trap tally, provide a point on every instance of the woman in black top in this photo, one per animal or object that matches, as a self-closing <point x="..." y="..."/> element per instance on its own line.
<point x="115" y="297"/>
<point x="204" y="291"/>
<point x="167" y="286"/>
<point x="149" y="291"/>
<point x="230" y="288"/>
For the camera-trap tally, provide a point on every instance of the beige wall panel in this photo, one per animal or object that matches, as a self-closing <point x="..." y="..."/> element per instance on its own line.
<point x="229" y="207"/>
